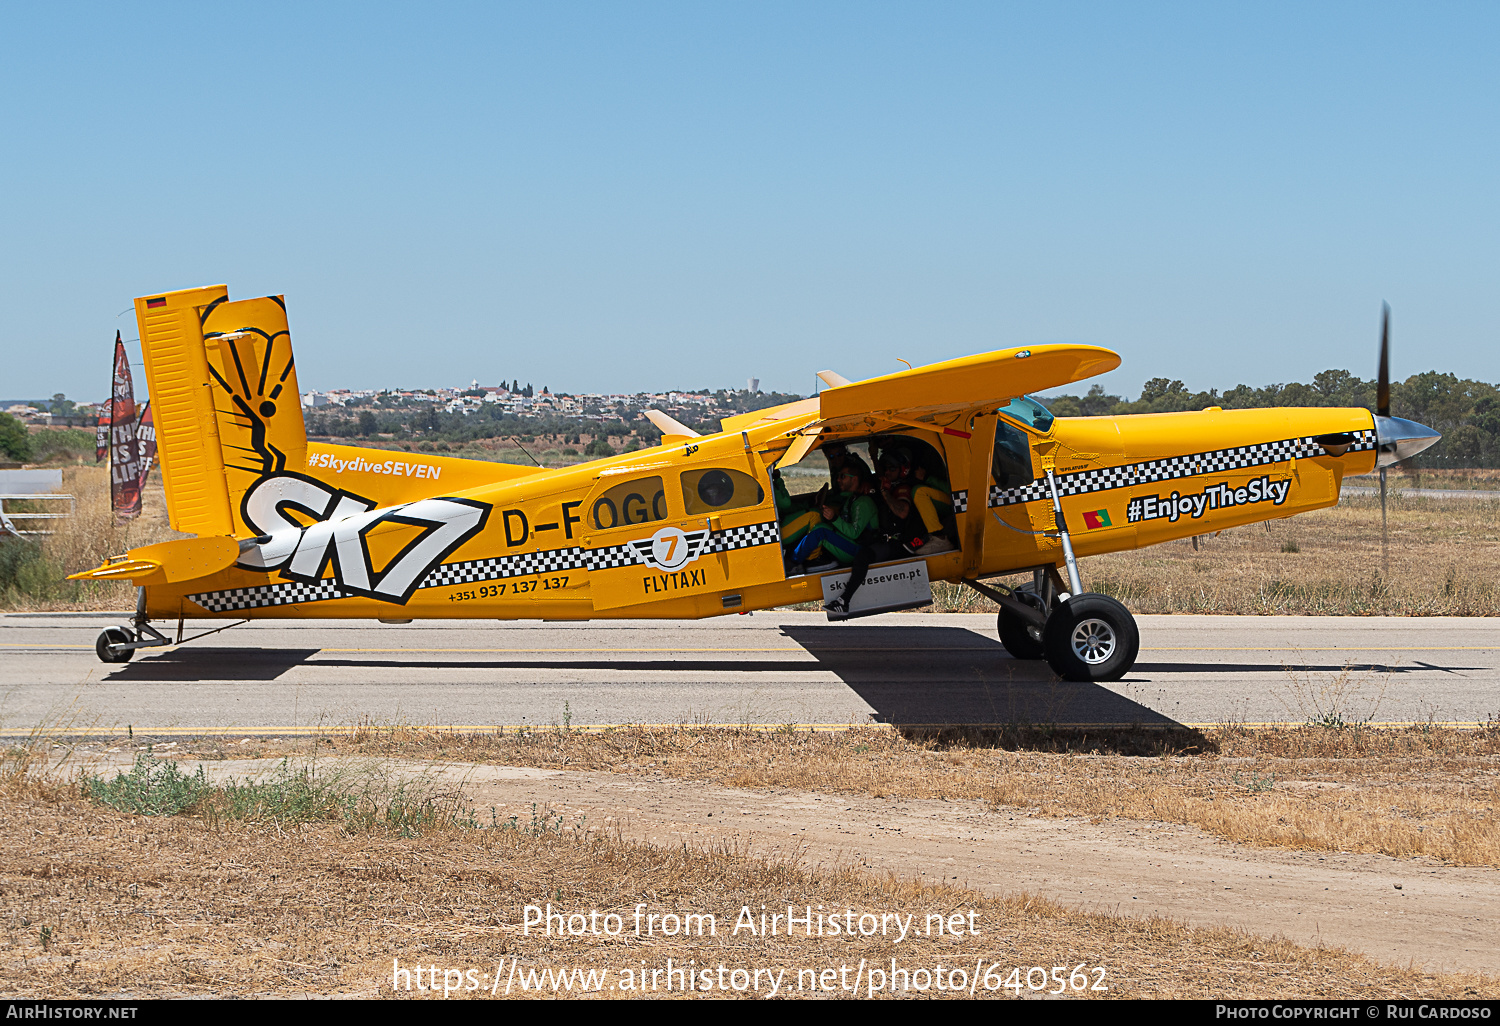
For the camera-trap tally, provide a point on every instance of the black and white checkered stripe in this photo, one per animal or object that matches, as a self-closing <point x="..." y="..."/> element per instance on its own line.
<point x="961" y="501"/>
<point x="768" y="533"/>
<point x="525" y="564"/>
<point x="612" y="556"/>
<point x="1218" y="461"/>
<point x="268" y="595"/>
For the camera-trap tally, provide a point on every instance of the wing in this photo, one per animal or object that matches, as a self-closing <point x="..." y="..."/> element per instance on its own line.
<point x="939" y="397"/>
<point x="972" y="382"/>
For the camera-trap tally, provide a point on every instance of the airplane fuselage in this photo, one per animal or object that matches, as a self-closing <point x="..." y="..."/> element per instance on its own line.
<point x="394" y="535"/>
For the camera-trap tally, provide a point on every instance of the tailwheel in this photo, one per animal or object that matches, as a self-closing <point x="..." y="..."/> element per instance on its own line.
<point x="1091" y="637"/>
<point x="1021" y="637"/>
<point x="108" y="642"/>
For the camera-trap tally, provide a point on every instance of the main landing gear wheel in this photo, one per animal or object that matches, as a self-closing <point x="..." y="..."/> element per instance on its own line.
<point x="1090" y="638"/>
<point x="1021" y="637"/>
<point x="106" y="645"/>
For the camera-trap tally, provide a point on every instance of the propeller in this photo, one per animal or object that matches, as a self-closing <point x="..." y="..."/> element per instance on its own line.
<point x="1383" y="409"/>
<point x="1395" y="438"/>
<point x="1383" y="378"/>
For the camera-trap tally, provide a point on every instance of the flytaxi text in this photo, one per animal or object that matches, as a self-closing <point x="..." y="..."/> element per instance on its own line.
<point x="657" y="584"/>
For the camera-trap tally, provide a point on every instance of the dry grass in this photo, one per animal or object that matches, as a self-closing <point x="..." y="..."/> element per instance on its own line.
<point x="103" y="903"/>
<point x="1444" y="561"/>
<point x="1410" y="792"/>
<point x="86" y="539"/>
<point x="1478" y="479"/>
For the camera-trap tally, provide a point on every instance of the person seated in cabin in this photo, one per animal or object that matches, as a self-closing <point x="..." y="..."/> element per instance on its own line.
<point x="792" y="509"/>
<point x="917" y="501"/>
<point x="831" y="536"/>
<point x="785" y="502"/>
<point x="837" y="454"/>
<point x="899" y="521"/>
<point x="900" y="530"/>
<point x="930" y="473"/>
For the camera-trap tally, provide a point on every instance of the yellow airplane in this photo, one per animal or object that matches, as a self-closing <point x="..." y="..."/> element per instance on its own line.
<point x="975" y="481"/>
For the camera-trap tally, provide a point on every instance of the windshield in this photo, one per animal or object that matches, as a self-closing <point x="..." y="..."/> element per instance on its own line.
<point x="1028" y="412"/>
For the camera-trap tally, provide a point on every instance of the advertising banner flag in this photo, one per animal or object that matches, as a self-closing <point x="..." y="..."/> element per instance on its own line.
<point x="124" y="460"/>
<point x="101" y="433"/>
<point x="145" y="441"/>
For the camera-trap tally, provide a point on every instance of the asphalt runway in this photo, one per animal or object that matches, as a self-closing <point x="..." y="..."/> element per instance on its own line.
<point x="1424" y="493"/>
<point x="769" y="668"/>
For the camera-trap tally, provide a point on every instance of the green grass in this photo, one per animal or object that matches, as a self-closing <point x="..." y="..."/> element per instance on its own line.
<point x="361" y="801"/>
<point x="151" y="788"/>
<point x="27" y="571"/>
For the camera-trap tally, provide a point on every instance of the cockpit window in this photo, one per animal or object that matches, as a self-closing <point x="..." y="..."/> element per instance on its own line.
<point x="1026" y="410"/>
<point x="1012" y="460"/>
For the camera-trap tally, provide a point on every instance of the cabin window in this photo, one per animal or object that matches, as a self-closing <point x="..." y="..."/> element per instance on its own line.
<point x="1012" y="461"/>
<point x="714" y="489"/>
<point x="642" y="501"/>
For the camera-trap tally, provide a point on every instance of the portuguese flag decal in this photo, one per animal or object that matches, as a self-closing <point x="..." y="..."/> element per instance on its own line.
<point x="1096" y="518"/>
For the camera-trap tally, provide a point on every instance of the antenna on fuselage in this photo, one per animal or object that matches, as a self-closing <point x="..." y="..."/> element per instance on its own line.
<point x="523" y="448"/>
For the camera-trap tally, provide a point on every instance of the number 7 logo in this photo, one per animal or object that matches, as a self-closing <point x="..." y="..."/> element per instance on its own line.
<point x="669" y="549"/>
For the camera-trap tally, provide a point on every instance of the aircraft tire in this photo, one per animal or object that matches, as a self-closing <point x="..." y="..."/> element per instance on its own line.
<point x="1091" y="637"/>
<point x="1016" y="636"/>
<point x="111" y="637"/>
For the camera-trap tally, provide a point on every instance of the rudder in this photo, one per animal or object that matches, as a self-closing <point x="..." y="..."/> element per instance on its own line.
<point x="257" y="405"/>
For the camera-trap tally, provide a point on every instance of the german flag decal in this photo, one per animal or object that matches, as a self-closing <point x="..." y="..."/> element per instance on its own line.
<point x="152" y="304"/>
<point x="1095" y="519"/>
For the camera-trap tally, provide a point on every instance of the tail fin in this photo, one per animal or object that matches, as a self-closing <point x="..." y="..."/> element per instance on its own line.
<point x="224" y="389"/>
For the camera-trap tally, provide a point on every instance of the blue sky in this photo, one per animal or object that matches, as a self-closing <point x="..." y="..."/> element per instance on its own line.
<point x="606" y="197"/>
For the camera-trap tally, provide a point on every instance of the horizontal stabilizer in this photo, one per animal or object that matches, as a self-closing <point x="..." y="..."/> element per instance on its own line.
<point x="185" y="559"/>
<point x="118" y="570"/>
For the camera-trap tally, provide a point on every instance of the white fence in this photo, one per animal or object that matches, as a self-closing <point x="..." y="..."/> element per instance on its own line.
<point x="31" y="486"/>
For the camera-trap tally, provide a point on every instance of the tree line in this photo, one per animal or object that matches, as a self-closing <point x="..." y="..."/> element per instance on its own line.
<point x="1466" y="412"/>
